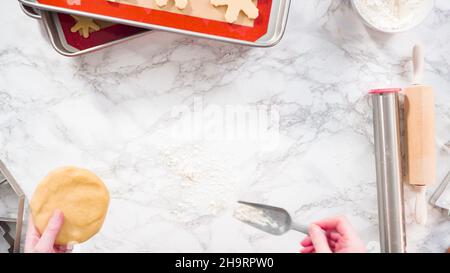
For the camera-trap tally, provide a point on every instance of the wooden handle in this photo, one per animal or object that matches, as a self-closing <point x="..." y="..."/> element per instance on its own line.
<point x="420" y="135"/>
<point x="418" y="64"/>
<point x="421" y="144"/>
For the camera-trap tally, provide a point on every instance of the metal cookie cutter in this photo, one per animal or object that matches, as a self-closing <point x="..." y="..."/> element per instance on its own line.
<point x="12" y="200"/>
<point x="441" y="197"/>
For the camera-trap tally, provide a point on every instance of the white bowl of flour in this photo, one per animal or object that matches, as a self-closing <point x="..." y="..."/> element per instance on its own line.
<point x="391" y="16"/>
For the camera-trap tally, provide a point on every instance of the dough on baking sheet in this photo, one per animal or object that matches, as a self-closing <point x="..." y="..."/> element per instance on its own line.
<point x="181" y="4"/>
<point x="80" y="195"/>
<point x="196" y="8"/>
<point x="84" y="26"/>
<point x="234" y="8"/>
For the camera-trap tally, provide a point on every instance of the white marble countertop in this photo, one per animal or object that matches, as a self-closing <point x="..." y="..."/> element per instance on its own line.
<point x="115" y="112"/>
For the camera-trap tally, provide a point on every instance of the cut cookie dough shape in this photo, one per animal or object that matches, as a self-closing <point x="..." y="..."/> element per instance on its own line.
<point x="80" y="195"/>
<point x="181" y="4"/>
<point x="84" y="26"/>
<point x="234" y="7"/>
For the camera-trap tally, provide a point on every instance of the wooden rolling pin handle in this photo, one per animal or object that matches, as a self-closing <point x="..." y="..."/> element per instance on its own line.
<point x="418" y="64"/>
<point x="421" y="205"/>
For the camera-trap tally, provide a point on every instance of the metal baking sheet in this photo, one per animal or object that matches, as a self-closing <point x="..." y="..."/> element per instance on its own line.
<point x="53" y="27"/>
<point x="31" y="12"/>
<point x="59" y="40"/>
<point x="279" y="11"/>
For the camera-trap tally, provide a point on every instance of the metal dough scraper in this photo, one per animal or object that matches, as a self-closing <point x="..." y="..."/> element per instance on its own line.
<point x="273" y="220"/>
<point x="441" y="197"/>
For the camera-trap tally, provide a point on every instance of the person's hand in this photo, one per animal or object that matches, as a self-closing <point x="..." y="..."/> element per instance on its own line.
<point x="334" y="235"/>
<point x="45" y="243"/>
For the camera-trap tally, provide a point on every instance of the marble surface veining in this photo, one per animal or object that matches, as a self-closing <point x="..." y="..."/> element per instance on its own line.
<point x="114" y="112"/>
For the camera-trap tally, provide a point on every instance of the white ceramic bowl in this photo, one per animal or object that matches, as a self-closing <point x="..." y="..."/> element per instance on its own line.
<point x="417" y="22"/>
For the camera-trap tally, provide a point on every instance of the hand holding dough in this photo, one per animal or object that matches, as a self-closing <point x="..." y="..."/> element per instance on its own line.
<point x="235" y="7"/>
<point x="80" y="195"/>
<point x="36" y="242"/>
<point x="181" y="4"/>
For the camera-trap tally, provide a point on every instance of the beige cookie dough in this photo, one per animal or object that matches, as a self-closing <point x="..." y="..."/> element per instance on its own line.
<point x="234" y="7"/>
<point x="80" y="195"/>
<point x="84" y="26"/>
<point x="181" y="4"/>
<point x="196" y="8"/>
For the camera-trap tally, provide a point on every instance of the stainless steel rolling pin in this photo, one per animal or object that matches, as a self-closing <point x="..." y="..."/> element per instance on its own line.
<point x="386" y="121"/>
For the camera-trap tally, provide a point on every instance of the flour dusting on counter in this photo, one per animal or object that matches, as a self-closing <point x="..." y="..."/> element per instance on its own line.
<point x="384" y="14"/>
<point x="203" y="181"/>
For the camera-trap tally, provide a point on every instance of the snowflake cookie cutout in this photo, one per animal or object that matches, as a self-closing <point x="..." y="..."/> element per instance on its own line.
<point x="234" y="7"/>
<point x="181" y="4"/>
<point x="84" y="26"/>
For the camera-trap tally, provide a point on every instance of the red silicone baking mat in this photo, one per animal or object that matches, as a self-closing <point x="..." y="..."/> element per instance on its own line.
<point x="172" y="20"/>
<point x="107" y="33"/>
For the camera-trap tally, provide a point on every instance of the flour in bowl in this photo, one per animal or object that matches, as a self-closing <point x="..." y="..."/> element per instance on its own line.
<point x="392" y="15"/>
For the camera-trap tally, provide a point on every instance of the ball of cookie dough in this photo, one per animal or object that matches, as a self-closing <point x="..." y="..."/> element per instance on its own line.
<point x="80" y="195"/>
